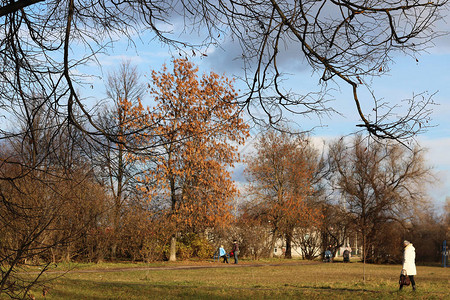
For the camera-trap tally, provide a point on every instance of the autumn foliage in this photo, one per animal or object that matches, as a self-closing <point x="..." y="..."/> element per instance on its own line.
<point x="280" y="175"/>
<point x="195" y="127"/>
<point x="200" y="129"/>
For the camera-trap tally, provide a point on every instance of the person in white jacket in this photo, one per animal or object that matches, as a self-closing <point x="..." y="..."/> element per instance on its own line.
<point x="409" y="256"/>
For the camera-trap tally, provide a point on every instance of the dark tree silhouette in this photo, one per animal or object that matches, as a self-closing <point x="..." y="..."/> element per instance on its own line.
<point x="42" y="42"/>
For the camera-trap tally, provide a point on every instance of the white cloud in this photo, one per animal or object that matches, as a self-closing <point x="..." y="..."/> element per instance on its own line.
<point x="115" y="60"/>
<point x="437" y="157"/>
<point x="438" y="150"/>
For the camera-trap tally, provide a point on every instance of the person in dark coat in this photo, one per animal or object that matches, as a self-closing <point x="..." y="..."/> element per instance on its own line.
<point x="235" y="251"/>
<point x="346" y="255"/>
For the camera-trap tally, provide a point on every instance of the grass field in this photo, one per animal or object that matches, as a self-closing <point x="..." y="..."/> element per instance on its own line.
<point x="275" y="279"/>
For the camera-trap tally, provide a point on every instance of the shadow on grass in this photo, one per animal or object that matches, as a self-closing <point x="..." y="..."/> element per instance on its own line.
<point x="342" y="289"/>
<point x="99" y="290"/>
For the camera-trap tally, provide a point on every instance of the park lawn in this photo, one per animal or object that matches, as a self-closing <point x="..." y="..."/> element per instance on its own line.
<point x="276" y="279"/>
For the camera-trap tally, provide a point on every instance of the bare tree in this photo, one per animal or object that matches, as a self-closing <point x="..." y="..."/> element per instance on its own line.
<point x="336" y="226"/>
<point x="253" y="231"/>
<point x="110" y="158"/>
<point x="44" y="205"/>
<point x="427" y="232"/>
<point x="346" y="41"/>
<point x="309" y="240"/>
<point x="378" y="183"/>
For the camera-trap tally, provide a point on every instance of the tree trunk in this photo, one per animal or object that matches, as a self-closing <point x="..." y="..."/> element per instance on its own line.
<point x="52" y="251"/>
<point x="272" y="242"/>
<point x="118" y="199"/>
<point x="288" y="253"/>
<point x="68" y="255"/>
<point x="171" y="177"/>
<point x="173" y="249"/>
<point x="114" y="249"/>
<point x="364" y="257"/>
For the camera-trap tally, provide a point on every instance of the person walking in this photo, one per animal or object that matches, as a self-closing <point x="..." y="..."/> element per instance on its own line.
<point x="409" y="265"/>
<point x="223" y="254"/>
<point x="235" y="251"/>
<point x="346" y="256"/>
<point x="327" y="255"/>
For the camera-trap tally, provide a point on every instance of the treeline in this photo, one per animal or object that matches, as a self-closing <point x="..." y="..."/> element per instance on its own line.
<point x="354" y="192"/>
<point x="156" y="185"/>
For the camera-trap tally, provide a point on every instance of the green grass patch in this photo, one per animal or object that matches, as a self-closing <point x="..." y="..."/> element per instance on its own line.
<point x="271" y="279"/>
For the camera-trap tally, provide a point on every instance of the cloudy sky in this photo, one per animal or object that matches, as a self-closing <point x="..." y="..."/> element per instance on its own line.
<point x="429" y="74"/>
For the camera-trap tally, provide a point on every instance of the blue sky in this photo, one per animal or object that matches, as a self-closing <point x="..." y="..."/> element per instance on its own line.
<point x="430" y="74"/>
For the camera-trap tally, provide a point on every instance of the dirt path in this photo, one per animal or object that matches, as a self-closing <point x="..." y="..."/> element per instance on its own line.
<point x="205" y="265"/>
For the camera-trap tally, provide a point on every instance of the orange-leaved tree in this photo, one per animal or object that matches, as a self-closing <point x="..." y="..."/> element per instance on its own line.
<point x="199" y="128"/>
<point x="281" y="181"/>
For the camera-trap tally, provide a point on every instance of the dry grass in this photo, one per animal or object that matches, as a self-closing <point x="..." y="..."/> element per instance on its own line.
<point x="279" y="279"/>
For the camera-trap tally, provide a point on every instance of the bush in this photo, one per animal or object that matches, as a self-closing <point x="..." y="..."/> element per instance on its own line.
<point x="202" y="248"/>
<point x="183" y="251"/>
<point x="191" y="245"/>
